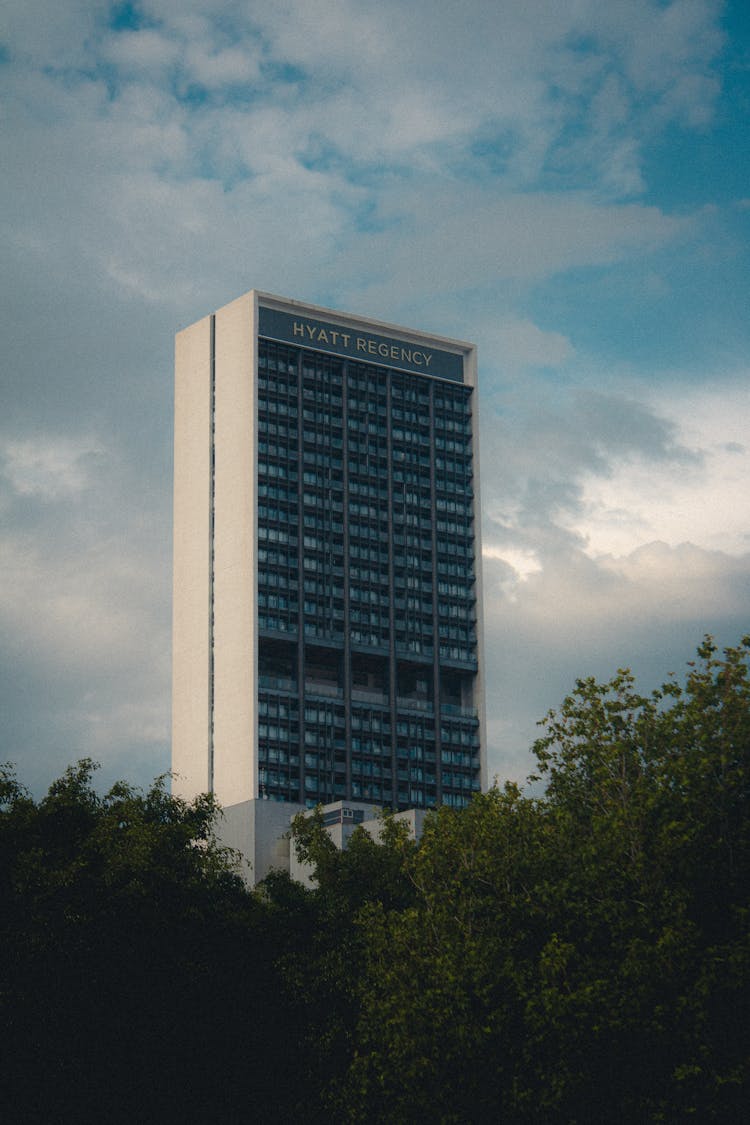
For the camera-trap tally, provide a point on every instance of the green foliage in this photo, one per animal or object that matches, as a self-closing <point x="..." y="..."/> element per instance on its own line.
<point x="581" y="956"/>
<point x="321" y="950"/>
<point x="132" y="957"/>
<point x="444" y="978"/>
<point x="366" y="870"/>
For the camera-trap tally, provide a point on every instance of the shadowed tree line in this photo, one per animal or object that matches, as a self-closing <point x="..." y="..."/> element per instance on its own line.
<point x="579" y="956"/>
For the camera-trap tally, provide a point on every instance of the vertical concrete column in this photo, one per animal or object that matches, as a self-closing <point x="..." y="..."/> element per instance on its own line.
<point x="235" y="555"/>
<point x="470" y="376"/>
<point x="191" y="710"/>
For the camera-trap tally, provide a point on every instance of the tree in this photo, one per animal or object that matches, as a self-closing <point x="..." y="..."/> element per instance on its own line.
<point x="575" y="957"/>
<point x="650" y="801"/>
<point x="582" y="956"/>
<point x="444" y="985"/>
<point x="137" y="979"/>
<point x="319" y="943"/>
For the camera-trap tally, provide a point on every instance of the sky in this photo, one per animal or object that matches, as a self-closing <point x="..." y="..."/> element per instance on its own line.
<point x="565" y="184"/>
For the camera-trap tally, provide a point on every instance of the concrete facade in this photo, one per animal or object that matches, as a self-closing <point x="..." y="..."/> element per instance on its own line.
<point x="327" y="625"/>
<point x="259" y="832"/>
<point x="341" y="819"/>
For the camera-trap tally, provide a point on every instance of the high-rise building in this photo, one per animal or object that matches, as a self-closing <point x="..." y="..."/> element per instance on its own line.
<point x="327" y="588"/>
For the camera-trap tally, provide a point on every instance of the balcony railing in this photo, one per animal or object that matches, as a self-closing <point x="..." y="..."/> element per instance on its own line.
<point x="322" y="687"/>
<point x="457" y="709"/>
<point x="277" y="683"/>
<point x="365" y="695"/>
<point x="408" y="703"/>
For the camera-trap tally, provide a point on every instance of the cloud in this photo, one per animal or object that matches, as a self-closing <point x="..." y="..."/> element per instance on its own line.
<point x="486" y="170"/>
<point x="81" y="591"/>
<point x="49" y="467"/>
<point x="589" y="503"/>
<point x="566" y="573"/>
<point x="84" y="613"/>
<point x="186" y="131"/>
<point x="698" y="493"/>
<point x="541" y="448"/>
<point x="605" y="473"/>
<point x="521" y="343"/>
<point x="389" y="86"/>
<point x="578" y="616"/>
<point x="141" y="52"/>
<point x="516" y="238"/>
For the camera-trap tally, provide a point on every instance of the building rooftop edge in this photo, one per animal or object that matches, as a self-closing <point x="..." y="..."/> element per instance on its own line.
<point x="292" y="304"/>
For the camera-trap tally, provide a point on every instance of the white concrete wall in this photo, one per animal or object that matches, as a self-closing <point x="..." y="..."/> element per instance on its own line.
<point x="300" y="872"/>
<point x="259" y="831"/>
<point x="191" y="576"/>
<point x="235" y="516"/>
<point x="340" y="832"/>
<point x="470" y="376"/>
<point x="413" y="818"/>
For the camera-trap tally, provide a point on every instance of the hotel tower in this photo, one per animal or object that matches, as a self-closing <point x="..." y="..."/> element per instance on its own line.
<point x="327" y="637"/>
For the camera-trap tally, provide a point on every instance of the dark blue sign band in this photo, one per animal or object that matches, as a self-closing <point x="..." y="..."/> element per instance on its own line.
<point x="367" y="347"/>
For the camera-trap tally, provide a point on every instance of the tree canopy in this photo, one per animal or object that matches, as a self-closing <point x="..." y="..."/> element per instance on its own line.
<point x="583" y="955"/>
<point x="137" y="980"/>
<point x="575" y="952"/>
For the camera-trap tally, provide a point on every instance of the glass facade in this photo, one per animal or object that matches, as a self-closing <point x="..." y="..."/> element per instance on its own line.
<point x="367" y="629"/>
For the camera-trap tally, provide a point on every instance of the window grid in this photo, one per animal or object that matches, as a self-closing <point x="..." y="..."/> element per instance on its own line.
<point x="350" y="458"/>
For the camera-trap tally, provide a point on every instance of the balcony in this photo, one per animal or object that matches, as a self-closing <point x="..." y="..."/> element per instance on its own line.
<point x="458" y="710"/>
<point x="323" y="687"/>
<point x="276" y="683"/>
<point x="411" y="703"/>
<point x="365" y="695"/>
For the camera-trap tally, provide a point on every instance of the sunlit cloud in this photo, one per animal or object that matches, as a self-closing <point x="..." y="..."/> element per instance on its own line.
<point x="706" y="503"/>
<point x="522" y="562"/>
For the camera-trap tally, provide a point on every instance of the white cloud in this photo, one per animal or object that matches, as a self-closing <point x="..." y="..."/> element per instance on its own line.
<point x="141" y="52"/>
<point x="377" y="123"/>
<point x="74" y="600"/>
<point x="84" y="613"/>
<point x="706" y="502"/>
<point x="229" y="66"/>
<point x="521" y="561"/>
<point x="54" y="35"/>
<point x="390" y="83"/>
<point x="521" y="343"/>
<point x="49" y="467"/>
<point x="578" y="617"/>
<point x="466" y="237"/>
<point x="590" y="501"/>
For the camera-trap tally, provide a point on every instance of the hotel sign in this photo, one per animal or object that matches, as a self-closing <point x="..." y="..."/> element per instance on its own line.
<point x="367" y="347"/>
